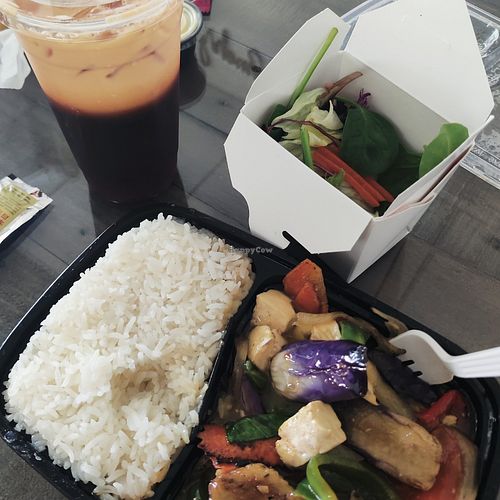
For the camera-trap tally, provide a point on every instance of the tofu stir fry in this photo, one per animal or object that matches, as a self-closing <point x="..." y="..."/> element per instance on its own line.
<point x="319" y="407"/>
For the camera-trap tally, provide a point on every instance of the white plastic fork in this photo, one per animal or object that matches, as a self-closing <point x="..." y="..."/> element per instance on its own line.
<point x="437" y="366"/>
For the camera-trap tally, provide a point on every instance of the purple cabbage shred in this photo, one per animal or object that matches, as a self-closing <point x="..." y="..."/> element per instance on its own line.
<point x="363" y="98"/>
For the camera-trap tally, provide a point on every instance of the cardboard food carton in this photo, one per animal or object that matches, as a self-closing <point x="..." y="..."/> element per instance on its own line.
<point x="421" y="63"/>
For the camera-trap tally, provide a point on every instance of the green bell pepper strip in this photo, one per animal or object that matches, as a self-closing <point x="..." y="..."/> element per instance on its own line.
<point x="364" y="478"/>
<point x="305" y="490"/>
<point x="352" y="332"/>
<point x="346" y="471"/>
<point x="316" y="480"/>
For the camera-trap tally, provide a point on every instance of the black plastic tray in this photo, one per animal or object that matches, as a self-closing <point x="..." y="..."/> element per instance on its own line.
<point x="270" y="265"/>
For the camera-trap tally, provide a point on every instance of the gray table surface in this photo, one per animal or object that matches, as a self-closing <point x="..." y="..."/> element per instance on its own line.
<point x="446" y="274"/>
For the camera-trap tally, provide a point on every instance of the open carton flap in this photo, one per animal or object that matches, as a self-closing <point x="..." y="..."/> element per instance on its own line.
<point x="411" y="86"/>
<point x="377" y="239"/>
<point x="428" y="48"/>
<point x="296" y="55"/>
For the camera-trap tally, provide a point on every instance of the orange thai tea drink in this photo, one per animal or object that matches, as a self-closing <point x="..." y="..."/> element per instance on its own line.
<point x="110" y="71"/>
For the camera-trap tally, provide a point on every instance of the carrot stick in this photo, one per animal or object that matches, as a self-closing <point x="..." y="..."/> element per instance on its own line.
<point x="323" y="162"/>
<point x="363" y="193"/>
<point x="328" y="153"/>
<point x="388" y="196"/>
<point x="214" y="442"/>
<point x="330" y="167"/>
<point x="353" y="175"/>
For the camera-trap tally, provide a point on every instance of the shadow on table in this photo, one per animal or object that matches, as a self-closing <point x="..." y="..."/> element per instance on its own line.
<point x="192" y="79"/>
<point x="106" y="213"/>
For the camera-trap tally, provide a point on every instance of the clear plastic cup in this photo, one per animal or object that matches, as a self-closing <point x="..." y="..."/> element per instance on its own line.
<point x="110" y="71"/>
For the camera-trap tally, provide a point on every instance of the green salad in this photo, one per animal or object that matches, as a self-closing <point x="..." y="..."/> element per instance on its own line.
<point x="352" y="147"/>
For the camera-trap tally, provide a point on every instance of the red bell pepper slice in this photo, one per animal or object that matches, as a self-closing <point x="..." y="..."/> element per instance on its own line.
<point x="307" y="272"/>
<point x="450" y="403"/>
<point x="307" y="300"/>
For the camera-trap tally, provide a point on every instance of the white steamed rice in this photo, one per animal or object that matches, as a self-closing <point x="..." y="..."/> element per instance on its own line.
<point x="112" y="382"/>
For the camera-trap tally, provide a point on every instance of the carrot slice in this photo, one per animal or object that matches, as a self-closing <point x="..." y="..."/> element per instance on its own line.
<point x="307" y="300"/>
<point x="381" y="189"/>
<point x="306" y="271"/>
<point x="214" y="442"/>
<point x="339" y="162"/>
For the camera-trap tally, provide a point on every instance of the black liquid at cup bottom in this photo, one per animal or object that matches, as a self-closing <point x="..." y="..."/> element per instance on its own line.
<point x="129" y="156"/>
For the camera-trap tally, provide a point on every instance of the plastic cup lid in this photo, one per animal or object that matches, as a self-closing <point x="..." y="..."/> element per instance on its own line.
<point x="191" y="22"/>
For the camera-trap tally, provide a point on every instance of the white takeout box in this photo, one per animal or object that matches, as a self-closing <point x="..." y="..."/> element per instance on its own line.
<point x="421" y="63"/>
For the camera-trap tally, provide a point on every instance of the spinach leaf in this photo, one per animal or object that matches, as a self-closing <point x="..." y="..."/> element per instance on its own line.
<point x="278" y="110"/>
<point x="258" y="378"/>
<point x="262" y="426"/>
<point x="407" y="159"/>
<point x="370" y="143"/>
<point x="402" y="174"/>
<point x="277" y="134"/>
<point x="449" y="138"/>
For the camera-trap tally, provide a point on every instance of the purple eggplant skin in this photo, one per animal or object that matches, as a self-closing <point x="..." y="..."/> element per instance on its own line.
<point x="250" y="398"/>
<point x="324" y="370"/>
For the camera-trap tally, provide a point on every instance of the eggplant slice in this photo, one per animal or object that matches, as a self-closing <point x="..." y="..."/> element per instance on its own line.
<point x="394" y="443"/>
